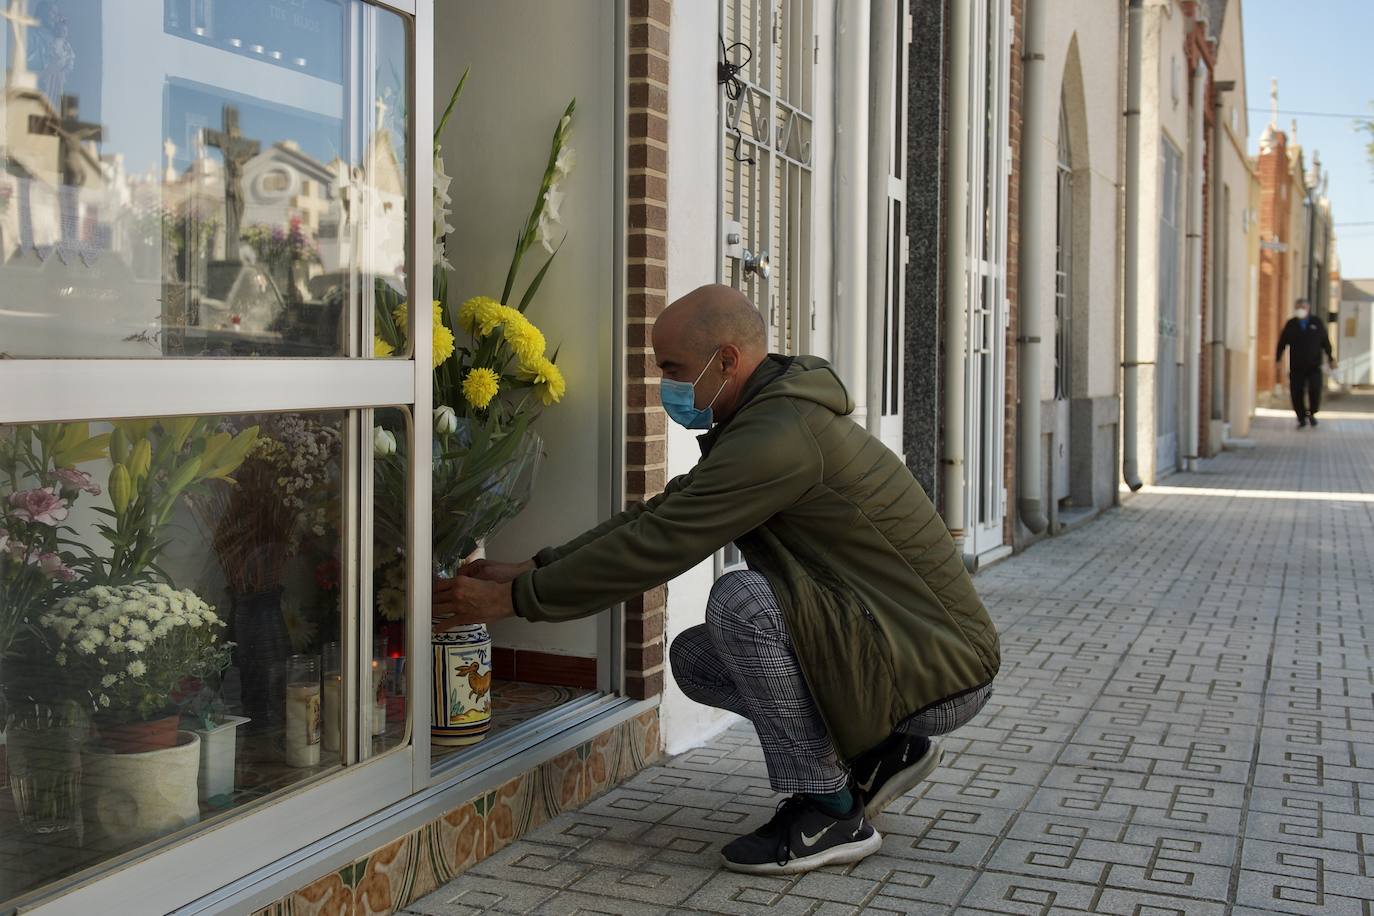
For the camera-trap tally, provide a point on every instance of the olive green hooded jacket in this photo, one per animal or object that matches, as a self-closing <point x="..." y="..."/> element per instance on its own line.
<point x="882" y="612"/>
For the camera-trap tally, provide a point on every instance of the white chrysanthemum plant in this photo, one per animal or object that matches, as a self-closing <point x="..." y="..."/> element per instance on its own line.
<point x="137" y="650"/>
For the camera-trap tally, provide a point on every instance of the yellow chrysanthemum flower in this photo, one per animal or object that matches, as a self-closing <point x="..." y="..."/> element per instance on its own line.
<point x="398" y="314"/>
<point x="480" y="315"/>
<point x="442" y="341"/>
<point x="524" y="338"/>
<point x="480" y="387"/>
<point x="380" y="348"/>
<point x="548" y="380"/>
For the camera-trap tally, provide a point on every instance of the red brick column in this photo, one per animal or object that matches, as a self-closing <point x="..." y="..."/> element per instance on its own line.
<point x="645" y="297"/>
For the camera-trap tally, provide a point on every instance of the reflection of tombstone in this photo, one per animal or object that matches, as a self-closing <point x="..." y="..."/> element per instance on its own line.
<point x="236" y="152"/>
<point x="239" y="297"/>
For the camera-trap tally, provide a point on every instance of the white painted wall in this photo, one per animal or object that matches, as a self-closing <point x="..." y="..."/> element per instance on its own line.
<point x="1237" y="174"/>
<point x="1164" y="113"/>
<point x="693" y="246"/>
<point x="495" y="146"/>
<point x="1093" y="31"/>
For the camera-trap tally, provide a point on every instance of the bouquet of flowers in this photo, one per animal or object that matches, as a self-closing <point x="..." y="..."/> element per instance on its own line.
<point x="284" y="491"/>
<point x="492" y="376"/>
<point x="39" y="484"/>
<point x="132" y="646"/>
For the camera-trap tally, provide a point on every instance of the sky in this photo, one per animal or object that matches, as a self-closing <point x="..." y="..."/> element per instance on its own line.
<point x="1318" y="49"/>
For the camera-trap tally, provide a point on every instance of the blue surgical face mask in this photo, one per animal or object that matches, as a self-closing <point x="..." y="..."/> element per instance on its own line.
<point x="680" y="400"/>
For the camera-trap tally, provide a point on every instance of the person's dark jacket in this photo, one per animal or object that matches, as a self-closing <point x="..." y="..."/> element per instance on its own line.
<point x="1306" y="341"/>
<point x="883" y="615"/>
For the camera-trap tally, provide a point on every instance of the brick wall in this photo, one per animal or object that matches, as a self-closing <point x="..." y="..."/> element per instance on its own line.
<point x="645" y="297"/>
<point x="1013" y="279"/>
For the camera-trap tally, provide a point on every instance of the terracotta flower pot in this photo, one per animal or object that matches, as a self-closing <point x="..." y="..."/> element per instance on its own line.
<point x="137" y="737"/>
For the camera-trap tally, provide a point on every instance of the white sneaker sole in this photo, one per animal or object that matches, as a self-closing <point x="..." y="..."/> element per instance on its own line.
<point x="846" y="854"/>
<point x="903" y="781"/>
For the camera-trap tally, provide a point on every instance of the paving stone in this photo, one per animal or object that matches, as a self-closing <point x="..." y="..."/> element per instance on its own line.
<point x="1183" y="724"/>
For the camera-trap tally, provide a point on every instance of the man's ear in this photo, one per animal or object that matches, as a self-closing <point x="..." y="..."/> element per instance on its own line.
<point x="729" y="357"/>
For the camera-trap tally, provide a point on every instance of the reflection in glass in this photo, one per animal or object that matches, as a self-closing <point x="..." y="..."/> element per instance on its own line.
<point x="160" y="198"/>
<point x="169" y="589"/>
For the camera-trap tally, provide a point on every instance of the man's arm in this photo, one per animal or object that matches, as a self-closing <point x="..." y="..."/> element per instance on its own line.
<point x="1326" y="344"/>
<point x="738" y="487"/>
<point x="553" y="554"/>
<point x="1283" y="342"/>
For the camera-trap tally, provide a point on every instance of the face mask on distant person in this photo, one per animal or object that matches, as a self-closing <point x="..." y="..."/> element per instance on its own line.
<point x="680" y="400"/>
<point x="1302" y="314"/>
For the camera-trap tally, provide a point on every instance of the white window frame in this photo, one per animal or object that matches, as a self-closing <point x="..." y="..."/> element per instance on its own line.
<point x="55" y="390"/>
<point x="986" y="356"/>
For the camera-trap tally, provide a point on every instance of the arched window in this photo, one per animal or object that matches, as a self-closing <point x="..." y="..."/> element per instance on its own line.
<point x="1063" y="261"/>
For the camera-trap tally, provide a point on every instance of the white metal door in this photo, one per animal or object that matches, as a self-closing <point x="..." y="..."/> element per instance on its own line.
<point x="990" y="161"/>
<point x="769" y="51"/>
<point x="1063" y="312"/>
<point x="896" y="251"/>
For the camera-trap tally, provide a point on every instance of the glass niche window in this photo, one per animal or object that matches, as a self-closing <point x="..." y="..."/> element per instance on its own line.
<point x="173" y="628"/>
<point x="188" y="179"/>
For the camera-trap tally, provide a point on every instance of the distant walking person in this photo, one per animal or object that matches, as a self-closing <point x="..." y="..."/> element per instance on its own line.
<point x="1305" y="339"/>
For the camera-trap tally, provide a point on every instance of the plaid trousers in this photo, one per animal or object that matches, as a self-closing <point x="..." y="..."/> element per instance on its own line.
<point x="741" y="659"/>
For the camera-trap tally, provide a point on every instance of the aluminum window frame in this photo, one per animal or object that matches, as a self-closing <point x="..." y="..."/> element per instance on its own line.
<point x="205" y="859"/>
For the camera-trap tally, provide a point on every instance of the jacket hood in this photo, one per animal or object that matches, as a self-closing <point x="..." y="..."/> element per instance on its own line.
<point x="807" y="378"/>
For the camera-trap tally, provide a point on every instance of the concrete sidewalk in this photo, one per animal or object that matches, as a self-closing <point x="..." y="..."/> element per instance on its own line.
<point x="1184" y="723"/>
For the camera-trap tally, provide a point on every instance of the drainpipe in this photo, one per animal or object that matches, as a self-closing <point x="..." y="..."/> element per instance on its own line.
<point x="1130" y="318"/>
<point x="882" y="102"/>
<point x="956" y="272"/>
<point x="851" y="202"/>
<point x="1030" y="481"/>
<point x="1220" y="307"/>
<point x="1196" y="180"/>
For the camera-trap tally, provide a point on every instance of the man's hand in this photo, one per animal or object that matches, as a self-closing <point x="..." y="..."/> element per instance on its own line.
<point x="465" y="600"/>
<point x="495" y="572"/>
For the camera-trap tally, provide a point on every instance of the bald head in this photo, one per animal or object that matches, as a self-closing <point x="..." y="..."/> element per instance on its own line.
<point x="710" y="317"/>
<point x="713" y="334"/>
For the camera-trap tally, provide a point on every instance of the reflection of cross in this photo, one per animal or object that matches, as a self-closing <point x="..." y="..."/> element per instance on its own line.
<point x="236" y="152"/>
<point x="71" y="132"/>
<point x="20" y="21"/>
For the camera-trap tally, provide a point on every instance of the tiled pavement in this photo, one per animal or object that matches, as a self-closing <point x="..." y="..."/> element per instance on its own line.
<point x="1184" y="723"/>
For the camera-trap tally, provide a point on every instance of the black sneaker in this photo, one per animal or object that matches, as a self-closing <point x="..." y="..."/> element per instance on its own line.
<point x="1313" y="420"/>
<point x="803" y="836"/>
<point x="892" y="769"/>
<point x="1302" y="424"/>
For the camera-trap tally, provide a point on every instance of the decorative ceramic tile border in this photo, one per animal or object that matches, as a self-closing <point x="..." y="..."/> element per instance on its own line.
<point x="408" y="868"/>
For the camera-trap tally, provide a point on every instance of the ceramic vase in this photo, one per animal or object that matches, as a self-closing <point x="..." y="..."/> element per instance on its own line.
<point x="460" y="705"/>
<point x="133" y="798"/>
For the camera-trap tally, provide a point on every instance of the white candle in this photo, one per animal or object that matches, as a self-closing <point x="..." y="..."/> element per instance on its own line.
<point x="379" y="699"/>
<point x="333" y="697"/>
<point x="303" y="725"/>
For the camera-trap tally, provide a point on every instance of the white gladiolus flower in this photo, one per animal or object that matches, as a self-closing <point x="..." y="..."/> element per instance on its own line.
<point x="563" y="123"/>
<point x="564" y="163"/>
<point x="383" y="442"/>
<point x="445" y="420"/>
<point x="553" y="199"/>
<point x="442" y="199"/>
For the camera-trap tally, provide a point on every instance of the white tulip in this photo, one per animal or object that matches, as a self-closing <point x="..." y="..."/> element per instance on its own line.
<point x="445" y="420"/>
<point x="383" y="442"/>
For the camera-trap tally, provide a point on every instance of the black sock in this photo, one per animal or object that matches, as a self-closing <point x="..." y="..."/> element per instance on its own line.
<point x="835" y="803"/>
